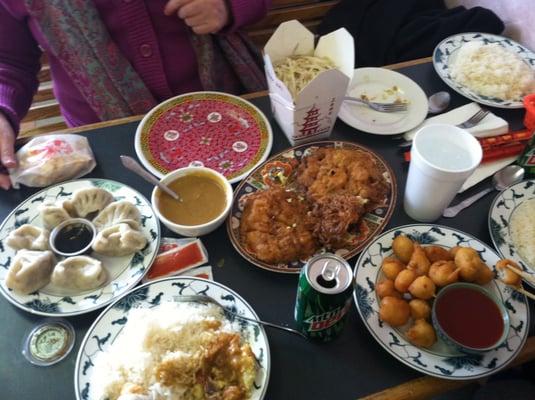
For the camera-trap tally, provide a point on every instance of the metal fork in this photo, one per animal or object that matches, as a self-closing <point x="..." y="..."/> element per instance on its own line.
<point x="469" y="123"/>
<point x="381" y="107"/>
<point x="208" y="299"/>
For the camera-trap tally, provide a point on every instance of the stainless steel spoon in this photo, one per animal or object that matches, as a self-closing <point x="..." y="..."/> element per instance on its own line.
<point x="133" y="165"/>
<point x="208" y="299"/>
<point x="501" y="180"/>
<point x="438" y="102"/>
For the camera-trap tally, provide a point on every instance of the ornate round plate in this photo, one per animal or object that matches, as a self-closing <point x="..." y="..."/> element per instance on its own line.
<point x="439" y="360"/>
<point x="383" y="86"/>
<point x="109" y="324"/>
<point x="370" y="225"/>
<point x="125" y="272"/>
<point x="446" y="51"/>
<point x="501" y="211"/>
<point x="211" y="129"/>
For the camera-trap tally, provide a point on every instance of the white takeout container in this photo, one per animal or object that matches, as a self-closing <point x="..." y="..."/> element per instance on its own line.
<point x="313" y="113"/>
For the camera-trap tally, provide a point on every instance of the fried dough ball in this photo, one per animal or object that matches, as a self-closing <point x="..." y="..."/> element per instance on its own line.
<point x="392" y="267"/>
<point x="403" y="248"/>
<point x="437" y="253"/>
<point x="485" y="275"/>
<point x="386" y="288"/>
<point x="443" y="273"/>
<point x="404" y="280"/>
<point x="422" y="288"/>
<point x="453" y="250"/>
<point x="394" y="311"/>
<point x="419" y="262"/>
<point x="422" y="334"/>
<point x="420" y="309"/>
<point x="506" y="275"/>
<point x="469" y="262"/>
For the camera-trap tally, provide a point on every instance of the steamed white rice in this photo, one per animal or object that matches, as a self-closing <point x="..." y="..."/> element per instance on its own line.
<point x="175" y="331"/>
<point x="522" y="228"/>
<point x="493" y="71"/>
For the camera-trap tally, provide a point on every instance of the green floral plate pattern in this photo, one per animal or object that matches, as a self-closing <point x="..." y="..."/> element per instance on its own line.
<point x="126" y="271"/>
<point x="440" y="360"/>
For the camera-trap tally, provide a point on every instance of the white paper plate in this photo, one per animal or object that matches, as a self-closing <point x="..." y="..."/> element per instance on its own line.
<point x="110" y="323"/>
<point x="383" y="86"/>
<point x="446" y="51"/>
<point x="439" y="360"/>
<point x="125" y="272"/>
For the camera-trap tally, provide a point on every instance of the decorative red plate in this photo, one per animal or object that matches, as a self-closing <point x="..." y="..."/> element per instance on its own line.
<point x="211" y="129"/>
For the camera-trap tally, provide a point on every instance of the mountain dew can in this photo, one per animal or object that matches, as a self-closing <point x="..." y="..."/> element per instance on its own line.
<point x="323" y="296"/>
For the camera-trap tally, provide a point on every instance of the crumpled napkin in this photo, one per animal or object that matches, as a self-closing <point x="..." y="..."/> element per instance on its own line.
<point x="491" y="125"/>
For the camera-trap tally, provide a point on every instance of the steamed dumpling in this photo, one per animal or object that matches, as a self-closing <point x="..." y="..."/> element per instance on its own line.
<point x="30" y="271"/>
<point x="28" y="237"/>
<point x="118" y="212"/>
<point x="53" y="215"/>
<point x="119" y="240"/>
<point x="87" y="201"/>
<point x="79" y="272"/>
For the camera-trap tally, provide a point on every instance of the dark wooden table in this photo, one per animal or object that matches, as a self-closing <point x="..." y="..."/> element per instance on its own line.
<point x="352" y="366"/>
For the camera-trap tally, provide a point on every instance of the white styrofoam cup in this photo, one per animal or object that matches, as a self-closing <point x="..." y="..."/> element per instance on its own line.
<point x="442" y="158"/>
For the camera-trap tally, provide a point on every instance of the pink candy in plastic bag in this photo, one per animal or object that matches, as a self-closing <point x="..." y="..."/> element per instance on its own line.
<point x="49" y="159"/>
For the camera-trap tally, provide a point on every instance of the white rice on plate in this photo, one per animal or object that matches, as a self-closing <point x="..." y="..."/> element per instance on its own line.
<point x="522" y="229"/>
<point x="493" y="71"/>
<point x="174" y="351"/>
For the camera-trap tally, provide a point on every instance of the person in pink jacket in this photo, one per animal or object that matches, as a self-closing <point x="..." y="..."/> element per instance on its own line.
<point x="113" y="58"/>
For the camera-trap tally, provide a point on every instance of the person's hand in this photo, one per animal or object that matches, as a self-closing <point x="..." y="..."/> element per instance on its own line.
<point x="7" y="151"/>
<point x="202" y="16"/>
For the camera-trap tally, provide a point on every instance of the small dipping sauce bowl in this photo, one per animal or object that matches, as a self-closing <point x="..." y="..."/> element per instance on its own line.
<point x="72" y="237"/>
<point x="470" y="318"/>
<point x="205" y="201"/>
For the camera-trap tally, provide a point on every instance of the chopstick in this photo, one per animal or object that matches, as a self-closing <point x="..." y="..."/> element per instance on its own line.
<point x="526" y="277"/>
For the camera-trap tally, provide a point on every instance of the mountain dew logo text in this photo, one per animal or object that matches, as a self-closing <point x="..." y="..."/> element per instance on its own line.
<point x="327" y="319"/>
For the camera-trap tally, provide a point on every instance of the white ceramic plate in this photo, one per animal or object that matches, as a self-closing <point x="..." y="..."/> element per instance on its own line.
<point x="440" y="360"/>
<point x="383" y="86"/>
<point x="446" y="51"/>
<point x="110" y="323"/>
<point x="501" y="211"/>
<point x="125" y="272"/>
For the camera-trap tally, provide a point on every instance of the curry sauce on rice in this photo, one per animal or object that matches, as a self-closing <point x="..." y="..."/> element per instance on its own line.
<point x="176" y="351"/>
<point x="321" y="207"/>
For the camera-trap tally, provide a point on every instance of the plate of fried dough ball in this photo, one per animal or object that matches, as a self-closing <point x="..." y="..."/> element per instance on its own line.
<point x="397" y="278"/>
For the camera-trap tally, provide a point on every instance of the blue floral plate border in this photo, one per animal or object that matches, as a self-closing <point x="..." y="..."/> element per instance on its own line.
<point x="440" y="360"/>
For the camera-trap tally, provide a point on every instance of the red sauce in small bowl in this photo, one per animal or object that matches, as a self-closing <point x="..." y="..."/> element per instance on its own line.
<point x="470" y="318"/>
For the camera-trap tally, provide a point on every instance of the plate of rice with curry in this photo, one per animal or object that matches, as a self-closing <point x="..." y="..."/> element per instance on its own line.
<point x="329" y="196"/>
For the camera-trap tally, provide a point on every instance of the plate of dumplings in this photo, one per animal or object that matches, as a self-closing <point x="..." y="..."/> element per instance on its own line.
<point x="37" y="277"/>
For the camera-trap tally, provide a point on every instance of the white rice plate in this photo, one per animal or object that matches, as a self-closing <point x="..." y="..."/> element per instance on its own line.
<point x="522" y="229"/>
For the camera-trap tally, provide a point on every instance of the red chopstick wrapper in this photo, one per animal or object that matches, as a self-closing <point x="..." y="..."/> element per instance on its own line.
<point x="176" y="259"/>
<point x="498" y="147"/>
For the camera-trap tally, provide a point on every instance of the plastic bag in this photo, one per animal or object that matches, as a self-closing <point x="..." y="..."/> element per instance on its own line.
<point x="49" y="159"/>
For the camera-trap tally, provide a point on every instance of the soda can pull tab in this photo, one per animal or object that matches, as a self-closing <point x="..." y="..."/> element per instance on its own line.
<point x="328" y="272"/>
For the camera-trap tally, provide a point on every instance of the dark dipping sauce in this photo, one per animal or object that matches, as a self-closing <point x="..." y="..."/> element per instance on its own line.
<point x="73" y="238"/>
<point x="469" y="317"/>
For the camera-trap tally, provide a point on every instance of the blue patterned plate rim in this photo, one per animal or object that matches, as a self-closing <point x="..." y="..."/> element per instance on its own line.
<point x="467" y="362"/>
<point x="498" y="222"/>
<point x="442" y="66"/>
<point x="174" y="279"/>
<point x="41" y="309"/>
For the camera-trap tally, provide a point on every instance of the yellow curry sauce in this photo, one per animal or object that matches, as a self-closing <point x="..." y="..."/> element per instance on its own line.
<point x="202" y="199"/>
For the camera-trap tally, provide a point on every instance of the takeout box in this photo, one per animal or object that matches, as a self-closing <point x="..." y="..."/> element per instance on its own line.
<point x="312" y="114"/>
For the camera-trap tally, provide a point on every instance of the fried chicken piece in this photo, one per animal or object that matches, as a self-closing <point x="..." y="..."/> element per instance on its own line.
<point x="276" y="226"/>
<point x="334" y="215"/>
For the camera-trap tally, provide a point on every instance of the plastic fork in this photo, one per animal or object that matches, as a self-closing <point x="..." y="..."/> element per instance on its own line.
<point x="469" y="123"/>
<point x="381" y="107"/>
<point x="208" y="299"/>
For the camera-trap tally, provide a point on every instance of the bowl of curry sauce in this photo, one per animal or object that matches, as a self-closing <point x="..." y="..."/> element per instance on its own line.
<point x="205" y="201"/>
